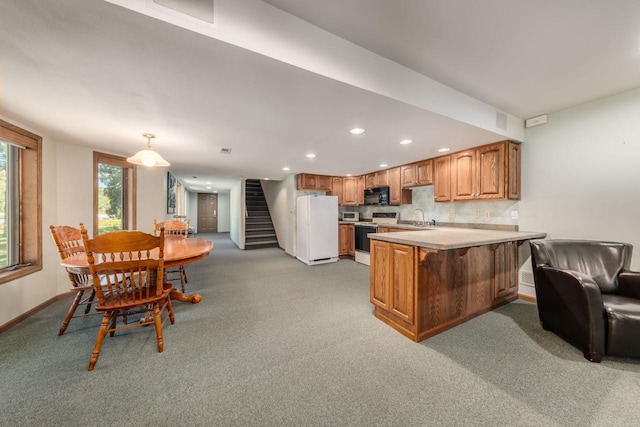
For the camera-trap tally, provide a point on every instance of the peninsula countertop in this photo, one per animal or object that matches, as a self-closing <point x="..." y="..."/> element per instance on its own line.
<point x="443" y="238"/>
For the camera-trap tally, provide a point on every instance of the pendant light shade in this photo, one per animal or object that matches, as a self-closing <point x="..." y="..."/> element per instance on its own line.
<point x="148" y="157"/>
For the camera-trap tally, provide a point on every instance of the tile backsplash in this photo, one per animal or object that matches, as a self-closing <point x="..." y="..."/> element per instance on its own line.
<point x="501" y="212"/>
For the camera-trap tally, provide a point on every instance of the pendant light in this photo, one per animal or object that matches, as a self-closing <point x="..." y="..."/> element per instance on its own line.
<point x="148" y="157"/>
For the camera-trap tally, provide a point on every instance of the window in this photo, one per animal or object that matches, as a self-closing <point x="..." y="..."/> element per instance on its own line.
<point x="9" y="205"/>
<point x="114" y="184"/>
<point x="20" y="202"/>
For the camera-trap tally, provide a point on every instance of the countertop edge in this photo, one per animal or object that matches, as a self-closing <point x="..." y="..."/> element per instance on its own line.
<point x="426" y="239"/>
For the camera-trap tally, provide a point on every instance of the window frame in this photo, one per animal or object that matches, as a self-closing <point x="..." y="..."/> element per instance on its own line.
<point x="130" y="191"/>
<point x="30" y="170"/>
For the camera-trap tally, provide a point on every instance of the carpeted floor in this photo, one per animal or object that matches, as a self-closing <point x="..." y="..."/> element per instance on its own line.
<point x="275" y="342"/>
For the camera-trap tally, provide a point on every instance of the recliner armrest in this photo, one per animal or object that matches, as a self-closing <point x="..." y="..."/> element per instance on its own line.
<point x="571" y="305"/>
<point x="629" y="284"/>
<point x="573" y="279"/>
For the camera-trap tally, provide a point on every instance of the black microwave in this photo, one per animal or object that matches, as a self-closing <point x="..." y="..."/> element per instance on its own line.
<point x="376" y="196"/>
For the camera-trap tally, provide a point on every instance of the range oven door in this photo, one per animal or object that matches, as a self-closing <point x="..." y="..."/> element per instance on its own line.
<point x="362" y="243"/>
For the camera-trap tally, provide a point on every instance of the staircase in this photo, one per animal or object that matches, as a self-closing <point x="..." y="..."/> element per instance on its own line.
<point x="259" y="232"/>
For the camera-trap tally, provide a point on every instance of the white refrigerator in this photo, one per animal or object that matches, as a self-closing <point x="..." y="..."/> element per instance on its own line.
<point x="317" y="234"/>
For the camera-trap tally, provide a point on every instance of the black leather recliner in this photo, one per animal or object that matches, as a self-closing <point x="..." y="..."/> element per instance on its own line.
<point x="586" y="294"/>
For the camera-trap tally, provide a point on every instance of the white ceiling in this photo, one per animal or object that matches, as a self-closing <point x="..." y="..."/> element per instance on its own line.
<point x="522" y="56"/>
<point x="97" y="74"/>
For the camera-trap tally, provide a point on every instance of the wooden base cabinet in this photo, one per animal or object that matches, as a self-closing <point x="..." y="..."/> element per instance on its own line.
<point x="346" y="240"/>
<point x="421" y="292"/>
<point x="392" y="279"/>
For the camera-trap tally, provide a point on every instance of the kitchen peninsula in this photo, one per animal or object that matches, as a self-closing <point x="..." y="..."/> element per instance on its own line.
<point x="425" y="282"/>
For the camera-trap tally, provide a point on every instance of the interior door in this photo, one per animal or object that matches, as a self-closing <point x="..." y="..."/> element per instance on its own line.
<point x="207" y="213"/>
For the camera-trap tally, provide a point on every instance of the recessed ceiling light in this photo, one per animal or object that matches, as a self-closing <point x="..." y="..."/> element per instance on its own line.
<point x="383" y="165"/>
<point x="357" y="131"/>
<point x="349" y="174"/>
<point x="311" y="155"/>
<point x="215" y="191"/>
<point x="266" y="179"/>
<point x="443" y="150"/>
<point x="286" y="168"/>
<point x="208" y="182"/>
<point x="208" y="188"/>
<point x="406" y="141"/>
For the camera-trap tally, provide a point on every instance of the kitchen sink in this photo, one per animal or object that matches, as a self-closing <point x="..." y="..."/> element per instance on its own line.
<point x="420" y="226"/>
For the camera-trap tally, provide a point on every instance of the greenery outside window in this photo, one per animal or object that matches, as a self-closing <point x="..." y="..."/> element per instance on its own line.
<point x="20" y="202"/>
<point x="114" y="197"/>
<point x="9" y="205"/>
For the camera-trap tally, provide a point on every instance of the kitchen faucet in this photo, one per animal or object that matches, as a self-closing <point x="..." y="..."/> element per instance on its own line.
<point x="422" y="212"/>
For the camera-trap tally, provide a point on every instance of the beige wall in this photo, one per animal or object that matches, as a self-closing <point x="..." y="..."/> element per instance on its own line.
<point x="581" y="174"/>
<point x="278" y="196"/>
<point x="67" y="198"/>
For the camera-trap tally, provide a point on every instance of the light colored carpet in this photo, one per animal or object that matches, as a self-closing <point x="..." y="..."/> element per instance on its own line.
<point x="276" y="342"/>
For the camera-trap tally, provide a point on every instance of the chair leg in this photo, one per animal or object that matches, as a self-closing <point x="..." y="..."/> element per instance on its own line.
<point x="184" y="273"/>
<point x="592" y="357"/>
<point x="170" y="310"/>
<point x="102" y="333"/>
<point x="182" y="277"/>
<point x="70" y="313"/>
<point x="158" y="323"/>
<point x="114" y="318"/>
<point x="90" y="301"/>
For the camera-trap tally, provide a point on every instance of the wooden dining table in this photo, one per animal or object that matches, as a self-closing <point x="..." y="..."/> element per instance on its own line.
<point x="177" y="251"/>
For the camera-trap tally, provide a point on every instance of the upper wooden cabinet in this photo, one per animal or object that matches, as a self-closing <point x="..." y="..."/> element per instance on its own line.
<point x="463" y="175"/>
<point x="360" y="189"/>
<point x="350" y="191"/>
<point x="417" y="174"/>
<point x="514" y="172"/>
<point x="442" y="179"/>
<point x="382" y="178"/>
<point x="489" y="172"/>
<point x="369" y="180"/>
<point x="345" y="189"/>
<point x="314" y="182"/>
<point x="486" y="173"/>
<point x="397" y="195"/>
<point x="337" y="189"/>
<point x="377" y="179"/>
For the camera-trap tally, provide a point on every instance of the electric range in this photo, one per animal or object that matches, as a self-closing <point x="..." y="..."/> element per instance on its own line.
<point x="362" y="244"/>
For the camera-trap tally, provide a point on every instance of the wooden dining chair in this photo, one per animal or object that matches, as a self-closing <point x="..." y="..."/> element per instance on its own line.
<point x="174" y="229"/>
<point x="68" y="240"/>
<point x="132" y="264"/>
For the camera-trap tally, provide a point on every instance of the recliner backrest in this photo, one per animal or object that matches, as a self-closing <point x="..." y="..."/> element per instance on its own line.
<point x="602" y="261"/>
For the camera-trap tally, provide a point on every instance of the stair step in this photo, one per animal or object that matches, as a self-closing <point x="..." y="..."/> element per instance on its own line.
<point x="259" y="231"/>
<point x="266" y="233"/>
<point x="261" y="244"/>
